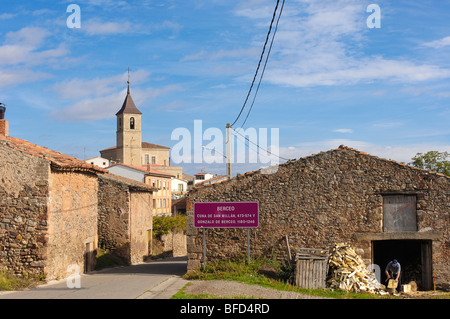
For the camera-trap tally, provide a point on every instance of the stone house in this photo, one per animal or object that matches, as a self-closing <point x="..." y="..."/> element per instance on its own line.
<point x="56" y="210"/>
<point x="125" y="217"/>
<point x="384" y="209"/>
<point x="159" y="181"/>
<point x="48" y="209"/>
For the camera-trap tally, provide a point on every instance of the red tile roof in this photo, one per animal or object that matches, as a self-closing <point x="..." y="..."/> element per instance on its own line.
<point x="58" y="160"/>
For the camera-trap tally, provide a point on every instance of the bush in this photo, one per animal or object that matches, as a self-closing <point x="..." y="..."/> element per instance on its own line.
<point x="162" y="225"/>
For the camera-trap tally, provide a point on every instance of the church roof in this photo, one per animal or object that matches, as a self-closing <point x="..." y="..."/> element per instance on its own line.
<point x="128" y="105"/>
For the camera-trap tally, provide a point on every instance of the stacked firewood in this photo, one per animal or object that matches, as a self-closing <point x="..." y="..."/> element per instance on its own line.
<point x="348" y="272"/>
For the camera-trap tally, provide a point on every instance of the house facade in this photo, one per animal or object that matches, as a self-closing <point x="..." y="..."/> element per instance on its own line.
<point x="125" y="217"/>
<point x="48" y="210"/>
<point x="384" y="209"/>
<point x="159" y="181"/>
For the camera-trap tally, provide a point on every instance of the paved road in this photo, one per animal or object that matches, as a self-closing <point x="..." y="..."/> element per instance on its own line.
<point x="152" y="280"/>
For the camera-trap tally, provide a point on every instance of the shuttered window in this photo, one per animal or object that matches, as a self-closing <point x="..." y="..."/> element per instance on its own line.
<point x="399" y="213"/>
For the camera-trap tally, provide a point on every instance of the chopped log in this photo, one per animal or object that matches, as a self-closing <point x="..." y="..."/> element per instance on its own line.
<point x="348" y="272"/>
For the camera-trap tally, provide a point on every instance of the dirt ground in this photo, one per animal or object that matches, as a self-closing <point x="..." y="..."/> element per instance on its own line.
<point x="233" y="289"/>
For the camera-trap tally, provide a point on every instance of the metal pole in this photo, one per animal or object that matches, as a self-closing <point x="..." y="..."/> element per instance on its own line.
<point x="248" y="244"/>
<point x="228" y="152"/>
<point x="204" y="248"/>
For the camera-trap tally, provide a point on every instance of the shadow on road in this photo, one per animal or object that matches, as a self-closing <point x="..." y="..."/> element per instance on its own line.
<point x="167" y="266"/>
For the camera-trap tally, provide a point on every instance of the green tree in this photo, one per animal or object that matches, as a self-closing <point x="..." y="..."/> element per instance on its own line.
<point x="433" y="161"/>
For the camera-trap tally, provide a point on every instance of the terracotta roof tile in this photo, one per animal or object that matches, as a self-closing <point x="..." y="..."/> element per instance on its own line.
<point x="57" y="159"/>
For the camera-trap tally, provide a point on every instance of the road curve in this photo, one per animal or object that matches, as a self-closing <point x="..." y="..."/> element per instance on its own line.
<point x="158" y="279"/>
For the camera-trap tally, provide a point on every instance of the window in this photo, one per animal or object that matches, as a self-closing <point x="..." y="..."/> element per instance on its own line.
<point x="180" y="187"/>
<point x="147" y="160"/>
<point x="153" y="183"/>
<point x="399" y="213"/>
<point x="164" y="185"/>
<point x="154" y="203"/>
<point x="153" y="159"/>
<point x="132" y="123"/>
<point x="164" y="203"/>
<point x="119" y="122"/>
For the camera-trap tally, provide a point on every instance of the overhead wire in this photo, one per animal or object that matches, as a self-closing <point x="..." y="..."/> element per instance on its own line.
<point x="259" y="63"/>
<point x="246" y="138"/>
<point x="265" y="64"/>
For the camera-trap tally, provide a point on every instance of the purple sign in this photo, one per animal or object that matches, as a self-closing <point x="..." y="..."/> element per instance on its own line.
<point x="226" y="215"/>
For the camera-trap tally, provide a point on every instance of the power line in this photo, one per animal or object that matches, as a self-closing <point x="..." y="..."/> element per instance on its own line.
<point x="259" y="63"/>
<point x="245" y="137"/>
<point x="265" y="64"/>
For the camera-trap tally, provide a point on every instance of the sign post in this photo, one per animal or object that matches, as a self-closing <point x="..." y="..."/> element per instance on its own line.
<point x="226" y="215"/>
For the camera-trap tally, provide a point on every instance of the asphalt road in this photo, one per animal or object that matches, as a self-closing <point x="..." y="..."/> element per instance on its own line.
<point x="158" y="279"/>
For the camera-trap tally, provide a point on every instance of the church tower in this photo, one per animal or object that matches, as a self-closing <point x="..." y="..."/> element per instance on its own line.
<point x="129" y="133"/>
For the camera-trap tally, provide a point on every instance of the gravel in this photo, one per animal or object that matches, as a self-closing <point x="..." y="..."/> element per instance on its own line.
<point x="233" y="289"/>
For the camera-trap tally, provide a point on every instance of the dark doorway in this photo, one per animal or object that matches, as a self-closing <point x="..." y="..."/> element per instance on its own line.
<point x="414" y="257"/>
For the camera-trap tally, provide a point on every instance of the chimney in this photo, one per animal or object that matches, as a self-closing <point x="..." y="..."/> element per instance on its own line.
<point x="3" y="123"/>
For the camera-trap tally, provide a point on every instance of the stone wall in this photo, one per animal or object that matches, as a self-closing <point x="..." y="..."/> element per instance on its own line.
<point x="124" y="219"/>
<point x="141" y="225"/>
<point x="173" y="244"/>
<point x="336" y="196"/>
<point x="113" y="216"/>
<point x="72" y="221"/>
<point x="24" y="190"/>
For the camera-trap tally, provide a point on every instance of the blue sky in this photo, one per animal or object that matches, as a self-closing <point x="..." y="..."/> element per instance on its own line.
<point x="330" y="79"/>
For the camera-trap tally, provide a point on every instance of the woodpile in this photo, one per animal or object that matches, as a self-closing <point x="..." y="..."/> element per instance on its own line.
<point x="348" y="272"/>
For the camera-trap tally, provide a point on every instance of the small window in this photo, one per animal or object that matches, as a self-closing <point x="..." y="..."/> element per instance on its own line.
<point x="147" y="160"/>
<point x="132" y="123"/>
<point x="399" y="213"/>
<point x="153" y="159"/>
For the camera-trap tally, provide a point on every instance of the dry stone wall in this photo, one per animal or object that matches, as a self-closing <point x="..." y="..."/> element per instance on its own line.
<point x="24" y="190"/>
<point x="336" y="196"/>
<point x="113" y="216"/>
<point x="72" y="223"/>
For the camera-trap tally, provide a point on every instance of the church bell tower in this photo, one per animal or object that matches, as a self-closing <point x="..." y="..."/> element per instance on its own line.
<point x="129" y="133"/>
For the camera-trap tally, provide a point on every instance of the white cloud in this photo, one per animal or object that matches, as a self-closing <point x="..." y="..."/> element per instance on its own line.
<point x="101" y="98"/>
<point x="81" y="88"/>
<point x="343" y="130"/>
<point x="397" y="153"/>
<point x="318" y="44"/>
<point x="437" y="44"/>
<point x="22" y="50"/>
<point x="97" y="27"/>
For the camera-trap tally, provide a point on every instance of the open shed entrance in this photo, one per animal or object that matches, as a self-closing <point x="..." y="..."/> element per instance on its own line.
<point x="414" y="257"/>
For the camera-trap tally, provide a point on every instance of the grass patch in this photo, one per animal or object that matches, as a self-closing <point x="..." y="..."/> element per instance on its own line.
<point x="106" y="259"/>
<point x="9" y="281"/>
<point x="251" y="273"/>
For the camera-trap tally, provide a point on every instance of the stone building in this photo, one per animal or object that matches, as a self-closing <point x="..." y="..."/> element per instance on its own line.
<point x="56" y="210"/>
<point x="384" y="209"/>
<point x="125" y="217"/>
<point x="48" y="209"/>
<point x="130" y="149"/>
<point x="159" y="181"/>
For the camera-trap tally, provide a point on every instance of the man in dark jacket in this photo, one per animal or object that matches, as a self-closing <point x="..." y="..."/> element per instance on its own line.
<point x="393" y="270"/>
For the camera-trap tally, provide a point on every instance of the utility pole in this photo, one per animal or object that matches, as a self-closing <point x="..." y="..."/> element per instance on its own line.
<point x="228" y="151"/>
